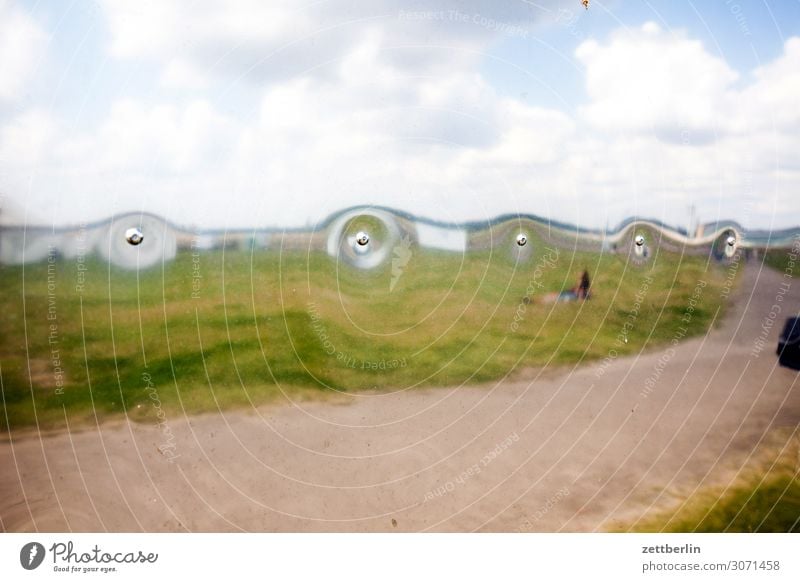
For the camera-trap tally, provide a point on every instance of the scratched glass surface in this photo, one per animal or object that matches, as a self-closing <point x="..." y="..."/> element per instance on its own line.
<point x="387" y="266"/>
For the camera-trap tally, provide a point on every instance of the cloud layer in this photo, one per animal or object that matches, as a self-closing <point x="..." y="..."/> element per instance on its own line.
<point x="280" y="116"/>
<point x="21" y="41"/>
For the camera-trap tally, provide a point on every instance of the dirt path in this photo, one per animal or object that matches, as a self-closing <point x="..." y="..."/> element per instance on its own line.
<point x="577" y="451"/>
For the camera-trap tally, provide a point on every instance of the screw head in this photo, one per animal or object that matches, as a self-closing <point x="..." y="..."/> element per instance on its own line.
<point x="522" y="240"/>
<point x="639" y="240"/>
<point x="134" y="236"/>
<point x="362" y="238"/>
<point x="730" y="241"/>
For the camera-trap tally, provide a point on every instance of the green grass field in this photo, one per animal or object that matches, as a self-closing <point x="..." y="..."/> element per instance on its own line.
<point x="780" y="259"/>
<point x="237" y="328"/>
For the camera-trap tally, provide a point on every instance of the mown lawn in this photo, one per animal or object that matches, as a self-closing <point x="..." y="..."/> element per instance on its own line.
<point x="781" y="259"/>
<point x="235" y="328"/>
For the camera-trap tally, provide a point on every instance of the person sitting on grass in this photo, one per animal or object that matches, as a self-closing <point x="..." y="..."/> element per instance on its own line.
<point x="579" y="291"/>
<point x="582" y="289"/>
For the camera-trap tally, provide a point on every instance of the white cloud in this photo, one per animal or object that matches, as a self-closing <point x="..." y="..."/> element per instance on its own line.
<point x="256" y="41"/>
<point x="655" y="81"/>
<point x="343" y="119"/>
<point x="21" y="46"/>
<point x="26" y="139"/>
<point x="164" y="139"/>
<point x="772" y="101"/>
<point x="179" y="73"/>
<point x="153" y="29"/>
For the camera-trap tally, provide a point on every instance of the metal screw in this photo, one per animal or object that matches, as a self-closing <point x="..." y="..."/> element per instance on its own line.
<point x="522" y="240"/>
<point x="134" y="236"/>
<point x="362" y="238"/>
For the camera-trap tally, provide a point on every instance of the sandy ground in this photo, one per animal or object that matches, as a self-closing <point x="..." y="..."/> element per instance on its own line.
<point x="573" y="450"/>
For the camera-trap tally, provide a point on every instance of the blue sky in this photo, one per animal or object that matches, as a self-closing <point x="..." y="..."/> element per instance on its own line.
<point x="278" y="113"/>
<point x="746" y="34"/>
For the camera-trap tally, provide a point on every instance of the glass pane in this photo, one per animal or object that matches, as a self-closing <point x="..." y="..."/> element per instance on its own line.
<point x="399" y="267"/>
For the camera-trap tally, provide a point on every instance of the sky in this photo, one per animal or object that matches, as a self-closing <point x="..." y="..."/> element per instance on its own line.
<point x="279" y="113"/>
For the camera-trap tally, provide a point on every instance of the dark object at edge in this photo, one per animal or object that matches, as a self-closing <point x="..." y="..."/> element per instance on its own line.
<point x="789" y="344"/>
